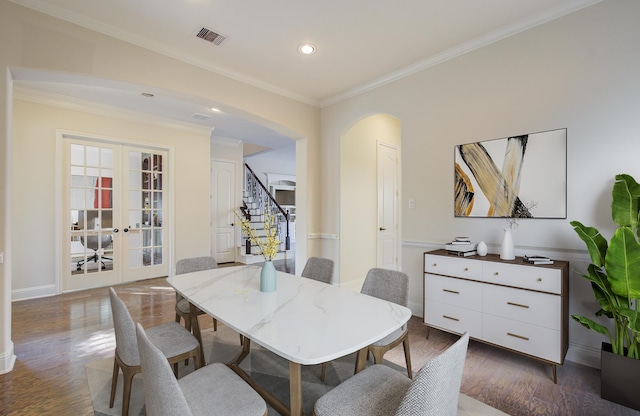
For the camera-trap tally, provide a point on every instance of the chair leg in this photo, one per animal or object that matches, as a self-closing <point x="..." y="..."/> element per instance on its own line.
<point x="114" y="382"/>
<point x="177" y="317"/>
<point x="215" y="324"/>
<point x="126" y="390"/>
<point x="378" y="353"/>
<point x="407" y="356"/>
<point x="323" y="372"/>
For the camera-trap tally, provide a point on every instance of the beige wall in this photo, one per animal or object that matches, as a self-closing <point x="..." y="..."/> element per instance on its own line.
<point x="359" y="196"/>
<point x="33" y="181"/>
<point x="579" y="72"/>
<point x="36" y="41"/>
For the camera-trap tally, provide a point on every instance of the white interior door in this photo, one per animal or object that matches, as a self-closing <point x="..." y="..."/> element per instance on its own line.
<point x="223" y="182"/>
<point x="113" y="199"/>
<point x="145" y="217"/>
<point x="387" y="207"/>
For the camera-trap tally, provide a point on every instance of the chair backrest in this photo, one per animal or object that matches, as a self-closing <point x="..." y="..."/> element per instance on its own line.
<point x="125" y="330"/>
<point x="319" y="269"/>
<point x="390" y="285"/>
<point x="436" y="388"/>
<point x="162" y="393"/>
<point x="196" y="264"/>
<point x="94" y="243"/>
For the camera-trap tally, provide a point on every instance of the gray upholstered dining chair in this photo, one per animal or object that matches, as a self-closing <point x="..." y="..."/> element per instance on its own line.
<point x="213" y="389"/>
<point x="193" y="264"/>
<point x="379" y="390"/>
<point x="392" y="286"/>
<point x="183" y="308"/>
<point x="172" y="339"/>
<point x="320" y="269"/>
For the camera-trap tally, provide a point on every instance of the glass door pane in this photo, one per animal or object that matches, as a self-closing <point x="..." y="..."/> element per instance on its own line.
<point x="145" y="250"/>
<point x="90" y="208"/>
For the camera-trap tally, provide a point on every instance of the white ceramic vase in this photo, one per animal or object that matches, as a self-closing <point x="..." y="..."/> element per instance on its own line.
<point x="481" y="249"/>
<point x="507" y="251"/>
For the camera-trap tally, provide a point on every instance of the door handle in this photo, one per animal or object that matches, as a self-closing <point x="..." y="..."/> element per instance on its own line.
<point x="383" y="229"/>
<point x="126" y="230"/>
<point x="115" y="230"/>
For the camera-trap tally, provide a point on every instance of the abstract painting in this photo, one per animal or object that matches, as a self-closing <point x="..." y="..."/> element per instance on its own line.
<point x="521" y="176"/>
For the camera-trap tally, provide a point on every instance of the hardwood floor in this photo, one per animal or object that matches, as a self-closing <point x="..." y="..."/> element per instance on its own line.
<point x="55" y="337"/>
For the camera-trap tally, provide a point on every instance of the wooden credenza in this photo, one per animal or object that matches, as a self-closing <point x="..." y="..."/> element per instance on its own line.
<point x="509" y="304"/>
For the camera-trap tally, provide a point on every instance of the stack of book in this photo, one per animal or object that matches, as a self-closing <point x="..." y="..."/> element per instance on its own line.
<point x="538" y="259"/>
<point x="461" y="246"/>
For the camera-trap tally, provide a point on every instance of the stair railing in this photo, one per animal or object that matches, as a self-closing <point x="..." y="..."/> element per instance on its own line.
<point x="255" y="187"/>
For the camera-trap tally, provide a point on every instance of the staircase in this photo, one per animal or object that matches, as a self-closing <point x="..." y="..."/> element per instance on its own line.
<point x="256" y="202"/>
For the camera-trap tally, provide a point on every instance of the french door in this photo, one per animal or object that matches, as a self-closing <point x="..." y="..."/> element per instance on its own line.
<point x="114" y="200"/>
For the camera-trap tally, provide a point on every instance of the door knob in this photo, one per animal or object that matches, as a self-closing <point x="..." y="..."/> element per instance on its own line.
<point x="126" y="230"/>
<point x="115" y="230"/>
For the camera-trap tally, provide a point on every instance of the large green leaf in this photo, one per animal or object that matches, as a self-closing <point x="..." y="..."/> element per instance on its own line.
<point x="596" y="243"/>
<point x="622" y="263"/>
<point x="624" y="204"/>
<point x="588" y="323"/>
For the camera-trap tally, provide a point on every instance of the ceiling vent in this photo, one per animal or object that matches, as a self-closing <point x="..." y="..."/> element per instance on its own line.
<point x="211" y="36"/>
<point x="199" y="116"/>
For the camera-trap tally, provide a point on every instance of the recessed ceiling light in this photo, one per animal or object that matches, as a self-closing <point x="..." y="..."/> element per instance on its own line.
<point x="306" y="49"/>
<point x="215" y="110"/>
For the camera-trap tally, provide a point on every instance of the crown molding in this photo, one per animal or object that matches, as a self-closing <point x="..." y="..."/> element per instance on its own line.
<point x="147" y="43"/>
<point x="485" y="40"/>
<point x="464" y="48"/>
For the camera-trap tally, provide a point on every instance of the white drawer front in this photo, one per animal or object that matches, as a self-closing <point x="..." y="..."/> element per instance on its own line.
<point x="527" y="277"/>
<point x="540" y="309"/>
<point x="457" y="292"/>
<point x="529" y="339"/>
<point x="453" y="318"/>
<point x="453" y="266"/>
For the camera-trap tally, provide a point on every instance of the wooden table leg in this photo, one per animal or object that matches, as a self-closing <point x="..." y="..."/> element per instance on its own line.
<point x="295" y="388"/>
<point x="195" y="328"/>
<point x="361" y="359"/>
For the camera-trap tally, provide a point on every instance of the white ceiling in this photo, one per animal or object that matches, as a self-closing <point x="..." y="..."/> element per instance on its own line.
<point x="360" y="44"/>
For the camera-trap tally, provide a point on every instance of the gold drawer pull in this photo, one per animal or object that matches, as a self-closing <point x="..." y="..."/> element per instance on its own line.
<point x="517" y="336"/>
<point x="449" y="317"/>
<point x="451" y="291"/>
<point x="539" y="279"/>
<point x="466" y="269"/>
<point x="518" y="305"/>
<point x="496" y="273"/>
<point x="435" y="264"/>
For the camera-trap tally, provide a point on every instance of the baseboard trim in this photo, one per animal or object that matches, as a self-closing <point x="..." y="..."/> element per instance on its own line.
<point x="7" y="360"/>
<point x="582" y="354"/>
<point x="33" y="292"/>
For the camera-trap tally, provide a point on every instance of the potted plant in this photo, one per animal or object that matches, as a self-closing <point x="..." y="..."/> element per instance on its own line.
<point x="614" y="274"/>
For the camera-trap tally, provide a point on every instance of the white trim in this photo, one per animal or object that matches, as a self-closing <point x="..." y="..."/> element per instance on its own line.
<point x="34" y="292"/>
<point x="464" y="48"/>
<point x="7" y="355"/>
<point x="322" y="236"/>
<point x="158" y="47"/>
<point x="61" y="135"/>
<point x="150" y="44"/>
<point x="582" y="354"/>
<point x="7" y="360"/>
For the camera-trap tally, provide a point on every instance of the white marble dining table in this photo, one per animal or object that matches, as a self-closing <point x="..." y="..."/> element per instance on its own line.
<point x="304" y="321"/>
